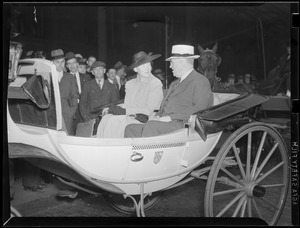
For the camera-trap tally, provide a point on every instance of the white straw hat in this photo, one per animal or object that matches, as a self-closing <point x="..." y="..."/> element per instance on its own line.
<point x="183" y="51"/>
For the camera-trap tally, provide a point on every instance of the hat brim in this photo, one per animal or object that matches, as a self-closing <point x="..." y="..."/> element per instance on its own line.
<point x="183" y="57"/>
<point x="143" y="61"/>
<point x="58" y="57"/>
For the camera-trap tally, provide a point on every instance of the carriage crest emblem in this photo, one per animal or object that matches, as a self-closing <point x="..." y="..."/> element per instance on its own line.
<point x="157" y="157"/>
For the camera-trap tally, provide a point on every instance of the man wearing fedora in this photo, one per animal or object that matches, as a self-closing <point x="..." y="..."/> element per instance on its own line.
<point x="143" y="95"/>
<point x="121" y="77"/>
<point x="72" y="65"/>
<point x="188" y="94"/>
<point x="68" y="89"/>
<point x="96" y="92"/>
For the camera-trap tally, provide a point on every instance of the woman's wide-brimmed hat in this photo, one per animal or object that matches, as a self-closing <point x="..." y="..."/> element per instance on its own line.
<point x="141" y="58"/>
<point x="183" y="51"/>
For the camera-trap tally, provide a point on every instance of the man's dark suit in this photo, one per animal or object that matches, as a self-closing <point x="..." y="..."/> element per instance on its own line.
<point x="182" y="100"/>
<point x="77" y="117"/>
<point x="92" y="96"/>
<point x="69" y="99"/>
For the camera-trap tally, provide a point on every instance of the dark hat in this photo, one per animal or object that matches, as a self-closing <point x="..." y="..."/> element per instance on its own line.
<point x="119" y="65"/>
<point x="81" y="61"/>
<point x="141" y="58"/>
<point x="97" y="64"/>
<point x="57" y="54"/>
<point x="70" y="55"/>
<point x="39" y="54"/>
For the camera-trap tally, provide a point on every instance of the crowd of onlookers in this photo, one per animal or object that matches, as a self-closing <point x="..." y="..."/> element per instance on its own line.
<point x="249" y="79"/>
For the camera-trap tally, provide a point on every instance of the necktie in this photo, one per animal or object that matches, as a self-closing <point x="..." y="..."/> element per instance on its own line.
<point x="99" y="83"/>
<point x="77" y="82"/>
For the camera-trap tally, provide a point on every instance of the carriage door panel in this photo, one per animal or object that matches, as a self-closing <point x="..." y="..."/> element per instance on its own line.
<point x="154" y="161"/>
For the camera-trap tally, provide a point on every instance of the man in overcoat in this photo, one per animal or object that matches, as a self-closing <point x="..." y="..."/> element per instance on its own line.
<point x="191" y="92"/>
<point x="96" y="92"/>
<point x="72" y="65"/>
<point x="68" y="90"/>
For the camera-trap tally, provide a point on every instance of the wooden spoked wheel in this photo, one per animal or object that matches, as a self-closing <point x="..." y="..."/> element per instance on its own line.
<point x="249" y="176"/>
<point x="127" y="206"/>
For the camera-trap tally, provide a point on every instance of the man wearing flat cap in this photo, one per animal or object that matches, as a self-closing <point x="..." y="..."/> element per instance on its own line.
<point x="96" y="92"/>
<point x="188" y="94"/>
<point x="68" y="89"/>
<point x="143" y="95"/>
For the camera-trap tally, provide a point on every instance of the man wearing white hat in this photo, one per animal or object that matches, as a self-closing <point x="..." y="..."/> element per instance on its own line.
<point x="188" y="94"/>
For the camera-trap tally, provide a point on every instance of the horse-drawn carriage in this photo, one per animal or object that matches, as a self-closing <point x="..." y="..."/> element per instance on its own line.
<point x="244" y="161"/>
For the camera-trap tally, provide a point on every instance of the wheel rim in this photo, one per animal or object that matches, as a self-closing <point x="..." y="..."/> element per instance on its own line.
<point x="126" y="206"/>
<point x="257" y="185"/>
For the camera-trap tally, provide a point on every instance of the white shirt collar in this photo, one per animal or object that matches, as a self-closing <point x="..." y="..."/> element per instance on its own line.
<point x="184" y="76"/>
<point x="111" y="81"/>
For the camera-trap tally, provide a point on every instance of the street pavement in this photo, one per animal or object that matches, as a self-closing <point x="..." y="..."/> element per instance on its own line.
<point x="185" y="201"/>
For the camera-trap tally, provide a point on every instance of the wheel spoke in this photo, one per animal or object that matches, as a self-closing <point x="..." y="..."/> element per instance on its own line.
<point x="265" y="161"/>
<point x="244" y="207"/>
<point x="227" y="191"/>
<point x="249" y="207"/>
<point x="258" y="155"/>
<point x="230" y="204"/>
<point x="273" y="185"/>
<point x="238" y="207"/>
<point x="268" y="202"/>
<point x="269" y="172"/>
<point x="239" y="162"/>
<point x="256" y="208"/>
<point x="248" y="156"/>
<point x="232" y="176"/>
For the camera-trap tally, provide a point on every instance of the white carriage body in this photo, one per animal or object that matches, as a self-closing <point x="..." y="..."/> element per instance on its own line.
<point x="109" y="163"/>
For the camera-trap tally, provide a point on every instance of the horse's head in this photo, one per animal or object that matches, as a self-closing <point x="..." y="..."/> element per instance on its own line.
<point x="209" y="61"/>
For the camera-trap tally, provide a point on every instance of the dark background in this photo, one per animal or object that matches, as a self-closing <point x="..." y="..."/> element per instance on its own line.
<point x="250" y="37"/>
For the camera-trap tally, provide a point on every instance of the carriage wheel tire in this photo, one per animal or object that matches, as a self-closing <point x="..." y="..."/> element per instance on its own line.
<point x="257" y="185"/>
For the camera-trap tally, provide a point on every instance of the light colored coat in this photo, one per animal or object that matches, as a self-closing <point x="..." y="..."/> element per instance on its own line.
<point x="141" y="97"/>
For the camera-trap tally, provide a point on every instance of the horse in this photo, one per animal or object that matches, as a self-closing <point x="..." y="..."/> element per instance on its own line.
<point x="208" y="63"/>
<point x="277" y="79"/>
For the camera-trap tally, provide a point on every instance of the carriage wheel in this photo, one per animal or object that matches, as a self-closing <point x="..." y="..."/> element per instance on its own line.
<point x="249" y="177"/>
<point x="127" y="206"/>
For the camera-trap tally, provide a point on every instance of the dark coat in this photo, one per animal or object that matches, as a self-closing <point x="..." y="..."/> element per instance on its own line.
<point x="92" y="97"/>
<point x="69" y="98"/>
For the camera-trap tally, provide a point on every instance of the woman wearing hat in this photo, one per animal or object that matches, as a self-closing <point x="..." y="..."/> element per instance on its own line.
<point x="188" y="94"/>
<point x="143" y="95"/>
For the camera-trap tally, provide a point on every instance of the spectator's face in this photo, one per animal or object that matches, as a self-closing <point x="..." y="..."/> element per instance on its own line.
<point x="121" y="72"/>
<point x="99" y="72"/>
<point x="59" y="64"/>
<point x="231" y="81"/>
<point x="82" y="69"/>
<point x="247" y="80"/>
<point x="111" y="74"/>
<point x="144" y="70"/>
<point x="72" y="65"/>
<point x="91" y="60"/>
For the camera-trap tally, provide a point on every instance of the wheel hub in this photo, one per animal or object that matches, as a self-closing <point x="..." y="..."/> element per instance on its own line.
<point x="254" y="190"/>
<point x="259" y="191"/>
